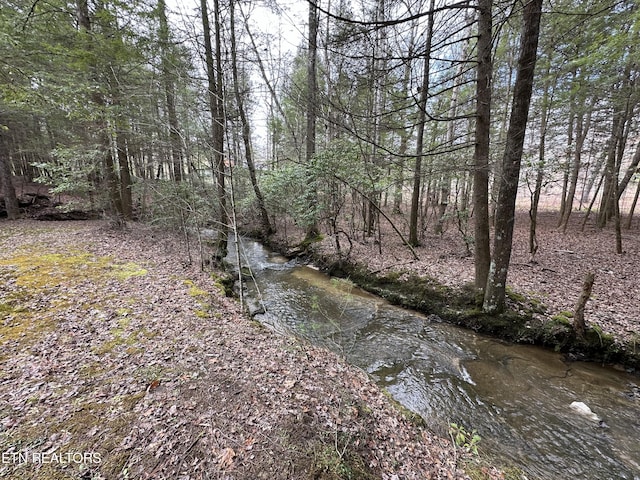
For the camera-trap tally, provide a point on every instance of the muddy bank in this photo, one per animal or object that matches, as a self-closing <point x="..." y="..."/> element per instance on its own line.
<point x="526" y="320"/>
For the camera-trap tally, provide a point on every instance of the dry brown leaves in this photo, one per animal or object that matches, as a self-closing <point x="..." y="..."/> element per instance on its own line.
<point x="147" y="377"/>
<point x="555" y="279"/>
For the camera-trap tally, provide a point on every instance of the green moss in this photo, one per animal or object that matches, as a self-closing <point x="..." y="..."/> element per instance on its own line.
<point x="128" y="270"/>
<point x="194" y="290"/>
<point x="409" y="415"/>
<point x="562" y="319"/>
<point x="516" y="297"/>
<point x="224" y="283"/>
<point x="77" y="425"/>
<point x="123" y="336"/>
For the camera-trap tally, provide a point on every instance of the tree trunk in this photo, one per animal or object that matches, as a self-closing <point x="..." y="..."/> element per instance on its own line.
<point x="582" y="129"/>
<point x="6" y="185"/>
<point x="312" y="113"/>
<point x="494" y="299"/>
<point x="633" y="206"/>
<point x="620" y="132"/>
<point x="631" y="171"/>
<point x="246" y="138"/>
<point x="125" y="177"/>
<point x="113" y="188"/>
<point x="272" y="92"/>
<point x="214" y="75"/>
<point x="405" y="133"/>
<point x="616" y="212"/>
<point x="579" y="325"/>
<point x="169" y="91"/>
<point x="218" y="137"/>
<point x="566" y="168"/>
<point x="535" y="195"/>
<point x="482" y="142"/>
<point x="422" y="120"/>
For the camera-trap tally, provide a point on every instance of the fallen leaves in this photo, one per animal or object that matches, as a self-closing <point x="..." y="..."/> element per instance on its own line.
<point x="554" y="280"/>
<point x="129" y="370"/>
<point x="225" y="458"/>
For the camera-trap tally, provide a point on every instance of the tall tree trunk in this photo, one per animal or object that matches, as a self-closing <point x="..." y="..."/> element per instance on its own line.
<point x="567" y="163"/>
<point x="169" y="92"/>
<point x="377" y="101"/>
<point x="619" y="134"/>
<point x="124" y="170"/>
<point x="535" y="195"/>
<point x="616" y="212"/>
<point x="481" y="149"/>
<point x="633" y="206"/>
<point x="246" y="137"/>
<point x="101" y="125"/>
<point x="312" y="113"/>
<point x="214" y="75"/>
<point x="113" y="187"/>
<point x="494" y="299"/>
<point x="446" y="178"/>
<point x="218" y="137"/>
<point x="275" y="99"/>
<point x="582" y="129"/>
<point x="6" y="185"/>
<point x="632" y="169"/>
<point x="405" y="133"/>
<point x="422" y="120"/>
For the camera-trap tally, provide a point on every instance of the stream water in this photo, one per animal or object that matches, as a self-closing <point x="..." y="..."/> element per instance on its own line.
<point x="517" y="397"/>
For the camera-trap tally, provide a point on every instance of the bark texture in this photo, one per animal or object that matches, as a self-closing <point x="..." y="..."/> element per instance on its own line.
<point x="495" y="291"/>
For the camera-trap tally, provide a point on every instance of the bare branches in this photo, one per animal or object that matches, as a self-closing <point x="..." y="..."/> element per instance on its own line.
<point x="387" y="23"/>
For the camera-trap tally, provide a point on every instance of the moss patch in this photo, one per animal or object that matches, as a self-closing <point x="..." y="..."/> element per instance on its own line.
<point x="36" y="284"/>
<point x="202" y="297"/>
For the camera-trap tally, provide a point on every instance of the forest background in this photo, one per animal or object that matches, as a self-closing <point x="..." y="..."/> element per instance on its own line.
<point x="392" y="120"/>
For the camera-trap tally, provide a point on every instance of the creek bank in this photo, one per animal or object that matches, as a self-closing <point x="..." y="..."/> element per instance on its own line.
<point x="112" y="343"/>
<point x="525" y="321"/>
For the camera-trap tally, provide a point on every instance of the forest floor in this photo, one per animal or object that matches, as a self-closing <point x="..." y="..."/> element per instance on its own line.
<point x="553" y="280"/>
<point x="119" y="360"/>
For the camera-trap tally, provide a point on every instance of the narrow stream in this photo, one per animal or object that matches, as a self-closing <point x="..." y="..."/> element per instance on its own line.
<point x="517" y="397"/>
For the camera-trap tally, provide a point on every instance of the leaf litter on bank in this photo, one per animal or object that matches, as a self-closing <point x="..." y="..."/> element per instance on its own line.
<point x="554" y="279"/>
<point x="129" y="371"/>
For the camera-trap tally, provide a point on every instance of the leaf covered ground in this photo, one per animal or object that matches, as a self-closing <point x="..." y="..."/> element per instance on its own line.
<point x="553" y="279"/>
<point x="118" y="360"/>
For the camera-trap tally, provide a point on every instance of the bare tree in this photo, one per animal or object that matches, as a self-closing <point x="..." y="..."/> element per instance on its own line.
<point x="169" y="92"/>
<point x="216" y="105"/>
<point x="481" y="151"/>
<point x="422" y="119"/>
<point x="312" y="114"/>
<point x="246" y="134"/>
<point x="495" y="291"/>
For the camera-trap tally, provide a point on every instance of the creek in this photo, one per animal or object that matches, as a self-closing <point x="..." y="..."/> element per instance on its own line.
<point x="516" y="397"/>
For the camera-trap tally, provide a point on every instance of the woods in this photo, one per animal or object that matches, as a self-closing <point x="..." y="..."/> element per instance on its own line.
<point x="422" y="116"/>
<point x="475" y="162"/>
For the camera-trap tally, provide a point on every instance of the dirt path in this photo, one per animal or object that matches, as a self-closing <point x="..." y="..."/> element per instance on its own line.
<point x="119" y="361"/>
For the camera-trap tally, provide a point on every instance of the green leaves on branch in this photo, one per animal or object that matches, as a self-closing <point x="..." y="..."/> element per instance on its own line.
<point x="461" y="438"/>
<point x="72" y="171"/>
<point x="331" y="172"/>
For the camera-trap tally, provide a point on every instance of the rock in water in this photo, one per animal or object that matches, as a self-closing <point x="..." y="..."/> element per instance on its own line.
<point x="583" y="409"/>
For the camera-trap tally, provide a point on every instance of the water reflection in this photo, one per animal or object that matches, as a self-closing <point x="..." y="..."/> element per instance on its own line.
<point x="517" y="397"/>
